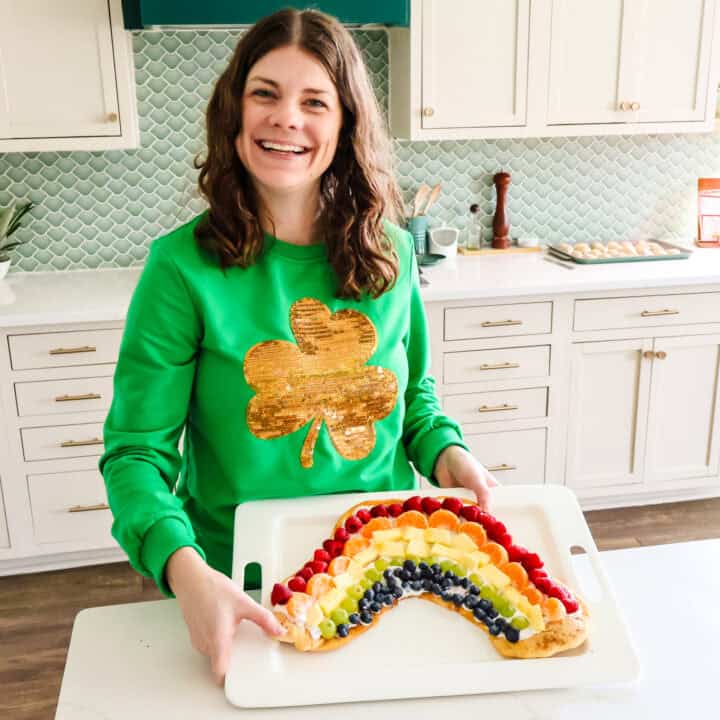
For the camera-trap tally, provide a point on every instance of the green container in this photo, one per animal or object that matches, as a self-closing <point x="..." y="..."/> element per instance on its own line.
<point x="418" y="225"/>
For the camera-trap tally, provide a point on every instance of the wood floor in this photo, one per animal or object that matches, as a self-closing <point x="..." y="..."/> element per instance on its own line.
<point x="37" y="611"/>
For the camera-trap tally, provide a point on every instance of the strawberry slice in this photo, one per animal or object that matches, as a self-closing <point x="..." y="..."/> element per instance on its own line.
<point x="413" y="503"/>
<point x="364" y="516"/>
<point x="395" y="509"/>
<point x="280" y="594"/>
<point x="453" y="504"/>
<point x="297" y="584"/>
<point x="341" y="535"/>
<point x="430" y="505"/>
<point x="379" y="511"/>
<point x="470" y="512"/>
<point x="322" y="556"/>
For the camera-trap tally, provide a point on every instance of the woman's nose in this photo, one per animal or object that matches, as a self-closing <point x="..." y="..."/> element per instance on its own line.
<point x="286" y="114"/>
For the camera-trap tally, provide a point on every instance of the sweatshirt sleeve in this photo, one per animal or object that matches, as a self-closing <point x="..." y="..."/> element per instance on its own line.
<point x="152" y="387"/>
<point x="426" y="430"/>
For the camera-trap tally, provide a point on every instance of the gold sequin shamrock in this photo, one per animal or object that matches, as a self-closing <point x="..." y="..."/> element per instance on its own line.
<point x="323" y="378"/>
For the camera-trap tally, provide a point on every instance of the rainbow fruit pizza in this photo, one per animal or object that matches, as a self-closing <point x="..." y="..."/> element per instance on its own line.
<point x="441" y="549"/>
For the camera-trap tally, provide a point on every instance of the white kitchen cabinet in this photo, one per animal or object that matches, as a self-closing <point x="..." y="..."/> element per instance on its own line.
<point x="4" y="538"/>
<point x="66" y="76"/>
<point x="629" y="61"/>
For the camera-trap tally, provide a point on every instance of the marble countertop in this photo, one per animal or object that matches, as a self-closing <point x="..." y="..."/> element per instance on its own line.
<point x="103" y="295"/>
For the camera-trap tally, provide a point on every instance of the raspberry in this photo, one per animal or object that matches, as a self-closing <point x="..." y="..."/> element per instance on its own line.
<point x="322" y="556"/>
<point x="495" y="529"/>
<point x="341" y="535"/>
<point x="430" y="505"/>
<point x="532" y="561"/>
<point x="505" y="539"/>
<point x="297" y="584"/>
<point x="379" y="511"/>
<point x="280" y="594"/>
<point x="317" y="566"/>
<point x="364" y="516"/>
<point x="352" y="524"/>
<point x="334" y="547"/>
<point x="537" y="573"/>
<point x="545" y="585"/>
<point x="413" y="503"/>
<point x="453" y="504"/>
<point x="516" y="553"/>
<point x="470" y="512"/>
<point x="571" y="604"/>
<point x="486" y="519"/>
<point x="395" y="509"/>
<point x="306" y="573"/>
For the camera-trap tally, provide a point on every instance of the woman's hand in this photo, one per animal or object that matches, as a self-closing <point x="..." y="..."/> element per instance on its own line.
<point x="456" y="467"/>
<point x="213" y="606"/>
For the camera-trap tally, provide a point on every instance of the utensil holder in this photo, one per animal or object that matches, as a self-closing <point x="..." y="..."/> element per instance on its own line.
<point x="417" y="225"/>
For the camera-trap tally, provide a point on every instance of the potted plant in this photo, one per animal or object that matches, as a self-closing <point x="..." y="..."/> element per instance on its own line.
<point x="9" y="222"/>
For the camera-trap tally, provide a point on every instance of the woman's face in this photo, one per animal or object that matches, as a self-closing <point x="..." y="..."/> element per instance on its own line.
<point x="291" y="120"/>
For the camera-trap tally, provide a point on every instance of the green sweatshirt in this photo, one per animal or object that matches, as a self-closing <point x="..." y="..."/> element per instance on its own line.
<point x="281" y="389"/>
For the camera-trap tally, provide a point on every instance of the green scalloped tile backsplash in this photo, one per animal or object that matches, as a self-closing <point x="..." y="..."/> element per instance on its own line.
<point x="102" y="209"/>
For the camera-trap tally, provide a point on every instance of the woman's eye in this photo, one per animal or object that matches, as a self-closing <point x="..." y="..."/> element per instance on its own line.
<point x="320" y="103"/>
<point x="262" y="93"/>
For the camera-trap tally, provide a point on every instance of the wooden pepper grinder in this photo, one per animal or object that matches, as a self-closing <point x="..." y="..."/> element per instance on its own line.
<point x="501" y="224"/>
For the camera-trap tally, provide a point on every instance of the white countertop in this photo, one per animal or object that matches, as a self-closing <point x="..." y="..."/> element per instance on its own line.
<point x="103" y="295"/>
<point x="135" y="661"/>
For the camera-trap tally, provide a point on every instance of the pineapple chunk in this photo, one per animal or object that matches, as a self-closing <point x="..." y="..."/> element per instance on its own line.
<point x="464" y="542"/>
<point x="331" y="599"/>
<point x="392" y="549"/>
<point x="518" y="600"/>
<point x="355" y="569"/>
<point x="383" y="536"/>
<point x="536" y="619"/>
<point x="314" y="615"/>
<point x="475" y="559"/>
<point x="445" y="551"/>
<point x="343" y="581"/>
<point x="413" y="533"/>
<point x="366" y="556"/>
<point x="491" y="575"/>
<point x="438" y="535"/>
<point x="418" y="547"/>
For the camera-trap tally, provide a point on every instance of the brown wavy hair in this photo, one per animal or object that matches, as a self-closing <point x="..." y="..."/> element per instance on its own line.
<point x="357" y="190"/>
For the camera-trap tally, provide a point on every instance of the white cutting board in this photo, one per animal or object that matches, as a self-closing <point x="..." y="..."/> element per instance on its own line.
<point x="419" y="649"/>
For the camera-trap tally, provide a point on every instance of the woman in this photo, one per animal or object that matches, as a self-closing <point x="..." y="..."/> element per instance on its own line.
<point x="282" y="329"/>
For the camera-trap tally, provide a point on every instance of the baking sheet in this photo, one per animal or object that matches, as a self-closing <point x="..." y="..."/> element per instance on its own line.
<point x="682" y="255"/>
<point x="419" y="649"/>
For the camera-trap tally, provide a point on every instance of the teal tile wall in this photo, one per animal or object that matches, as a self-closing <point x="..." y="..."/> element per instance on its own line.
<point x="102" y="209"/>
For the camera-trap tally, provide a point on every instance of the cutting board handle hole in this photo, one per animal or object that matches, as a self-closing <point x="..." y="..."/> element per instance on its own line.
<point x="589" y="587"/>
<point x="252" y="580"/>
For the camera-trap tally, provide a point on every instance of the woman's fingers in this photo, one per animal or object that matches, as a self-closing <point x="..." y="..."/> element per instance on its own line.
<point x="263" y="618"/>
<point x="222" y="650"/>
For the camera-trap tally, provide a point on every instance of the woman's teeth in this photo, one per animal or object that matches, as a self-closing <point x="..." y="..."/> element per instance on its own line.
<point x="277" y="147"/>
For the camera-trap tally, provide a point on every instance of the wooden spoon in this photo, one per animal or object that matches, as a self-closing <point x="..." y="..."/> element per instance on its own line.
<point x="434" y="195"/>
<point x="421" y="197"/>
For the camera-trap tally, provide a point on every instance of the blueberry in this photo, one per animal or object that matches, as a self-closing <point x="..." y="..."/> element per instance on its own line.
<point x="375" y="607"/>
<point x="409" y="565"/>
<point x="369" y="595"/>
<point x="416" y="585"/>
<point x="343" y="630"/>
<point x="354" y="618"/>
<point x="398" y="592"/>
<point x="457" y="600"/>
<point x="492" y="612"/>
<point x="463" y="582"/>
<point x="512" y="634"/>
<point x="388" y="573"/>
<point x="447" y="596"/>
<point x="450" y="575"/>
<point x="473" y="589"/>
<point x="470" y="601"/>
<point x="479" y="614"/>
<point x="388" y="599"/>
<point x="427" y="584"/>
<point x="363" y="603"/>
<point x="435" y="588"/>
<point x="377" y="587"/>
<point x="485" y="605"/>
<point x="436" y="569"/>
<point x="398" y="571"/>
<point x="405" y="576"/>
<point x="424" y="569"/>
<point x="493" y="629"/>
<point x="366" y="618"/>
<point x="445" y="583"/>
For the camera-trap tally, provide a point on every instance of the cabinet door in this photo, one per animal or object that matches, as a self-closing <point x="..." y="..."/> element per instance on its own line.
<point x="57" y="77"/>
<point x="587" y="45"/>
<point x="669" y="60"/>
<point x="608" y="410"/>
<point x="474" y="62"/>
<point x="683" y="422"/>
<point x="4" y="538"/>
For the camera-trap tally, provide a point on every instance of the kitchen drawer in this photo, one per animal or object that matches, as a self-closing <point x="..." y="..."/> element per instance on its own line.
<point x="48" y="397"/>
<point x="498" y="364"/>
<point x="61" y="349"/>
<point x="70" y="507"/>
<point x="514" y="457"/>
<point x="497" y="405"/>
<point x="62" y="441"/>
<point x="486" y="321"/>
<point x="646" y="311"/>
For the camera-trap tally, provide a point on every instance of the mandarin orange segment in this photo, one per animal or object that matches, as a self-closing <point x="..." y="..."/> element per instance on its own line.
<point x="532" y="594"/>
<point x="444" y="519"/>
<point x="553" y="609"/>
<point x="319" y="584"/>
<point x="378" y="523"/>
<point x="355" y="544"/>
<point x="498" y="554"/>
<point x="339" y="565"/>
<point x="411" y="518"/>
<point x="298" y="604"/>
<point x="476" y="531"/>
<point x="517" y="574"/>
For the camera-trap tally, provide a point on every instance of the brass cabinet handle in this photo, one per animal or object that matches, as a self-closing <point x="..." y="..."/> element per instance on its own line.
<point x="491" y="408"/>
<point x="80" y="443"/>
<point x="87" y="396"/>
<point x="504" y="466"/>
<point x="655" y="313"/>
<point x="428" y="112"/>
<point x="660" y="354"/>
<point x="67" y="351"/>
<point x="624" y="106"/>
<point x="112" y="117"/>
<point x="648" y="354"/>
<point x="500" y="323"/>
<point x="499" y="366"/>
<point x="635" y="106"/>
<point x="88" y="508"/>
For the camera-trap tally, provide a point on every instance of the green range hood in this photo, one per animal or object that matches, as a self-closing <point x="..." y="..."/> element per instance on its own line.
<point x="141" y="14"/>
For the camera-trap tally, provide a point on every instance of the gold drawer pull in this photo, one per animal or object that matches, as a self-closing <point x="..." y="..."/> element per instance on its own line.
<point x="500" y="323"/>
<point x="81" y="443"/>
<point x="68" y="351"/>
<point x="88" y="508"/>
<point x="493" y="408"/>
<point x="499" y="366"/>
<point x="654" y="313"/>
<point x="504" y="466"/>
<point x="648" y="354"/>
<point x="87" y="396"/>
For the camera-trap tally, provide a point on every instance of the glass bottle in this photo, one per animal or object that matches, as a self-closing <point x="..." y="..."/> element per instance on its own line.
<point x="473" y="229"/>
